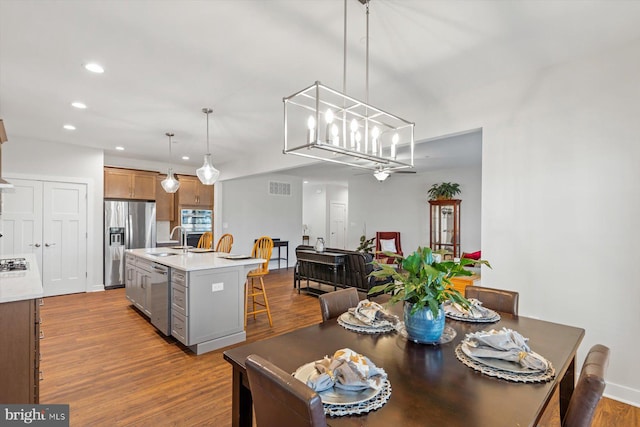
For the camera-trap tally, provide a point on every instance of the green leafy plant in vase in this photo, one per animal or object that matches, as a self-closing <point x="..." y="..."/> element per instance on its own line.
<point x="423" y="284"/>
<point x="443" y="191"/>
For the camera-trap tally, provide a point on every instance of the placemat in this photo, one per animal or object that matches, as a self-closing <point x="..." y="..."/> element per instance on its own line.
<point x="364" y="329"/>
<point x="534" y="377"/>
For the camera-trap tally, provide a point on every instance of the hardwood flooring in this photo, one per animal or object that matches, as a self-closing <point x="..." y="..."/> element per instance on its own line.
<point x="106" y="361"/>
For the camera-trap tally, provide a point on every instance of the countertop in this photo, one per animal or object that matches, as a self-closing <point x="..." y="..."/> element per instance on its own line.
<point x="192" y="261"/>
<point x="21" y="285"/>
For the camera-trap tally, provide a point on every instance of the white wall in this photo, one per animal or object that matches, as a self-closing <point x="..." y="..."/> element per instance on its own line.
<point x="561" y="197"/>
<point x="401" y="204"/>
<point x="248" y="211"/>
<point x="60" y="162"/>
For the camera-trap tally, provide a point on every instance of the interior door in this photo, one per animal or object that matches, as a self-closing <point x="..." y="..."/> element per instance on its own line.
<point x="337" y="221"/>
<point x="21" y="224"/>
<point x="64" y="267"/>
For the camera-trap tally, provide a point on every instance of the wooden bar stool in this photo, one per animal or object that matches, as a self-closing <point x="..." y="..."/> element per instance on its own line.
<point x="206" y="240"/>
<point x="261" y="249"/>
<point x="225" y="243"/>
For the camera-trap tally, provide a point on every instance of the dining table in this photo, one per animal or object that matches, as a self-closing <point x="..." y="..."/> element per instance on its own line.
<point x="430" y="386"/>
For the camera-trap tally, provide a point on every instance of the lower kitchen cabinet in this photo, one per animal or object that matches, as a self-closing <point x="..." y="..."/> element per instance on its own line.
<point x="138" y="276"/>
<point x="20" y="351"/>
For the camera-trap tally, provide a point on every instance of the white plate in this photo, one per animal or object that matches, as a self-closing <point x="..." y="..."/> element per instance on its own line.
<point x="452" y="313"/>
<point x="335" y="396"/>
<point x="503" y="365"/>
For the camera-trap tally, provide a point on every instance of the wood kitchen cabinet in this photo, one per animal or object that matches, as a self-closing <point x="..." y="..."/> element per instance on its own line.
<point x="129" y="184"/>
<point x="165" y="208"/>
<point x="20" y="352"/>
<point x="193" y="193"/>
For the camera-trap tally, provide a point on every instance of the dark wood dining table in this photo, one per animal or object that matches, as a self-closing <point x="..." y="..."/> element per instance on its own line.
<point x="430" y="386"/>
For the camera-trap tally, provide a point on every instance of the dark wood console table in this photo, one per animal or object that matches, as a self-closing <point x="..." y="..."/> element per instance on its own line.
<point x="334" y="260"/>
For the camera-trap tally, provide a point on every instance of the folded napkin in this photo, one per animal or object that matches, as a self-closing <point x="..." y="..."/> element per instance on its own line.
<point x="347" y="370"/>
<point x="506" y="344"/>
<point x="372" y="313"/>
<point x="475" y="310"/>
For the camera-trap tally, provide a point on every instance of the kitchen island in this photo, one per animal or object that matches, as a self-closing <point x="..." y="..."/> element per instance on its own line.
<point x="20" y="299"/>
<point x="196" y="297"/>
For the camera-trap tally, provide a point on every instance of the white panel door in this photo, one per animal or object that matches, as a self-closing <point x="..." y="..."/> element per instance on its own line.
<point x="64" y="238"/>
<point x="337" y="221"/>
<point x="21" y="225"/>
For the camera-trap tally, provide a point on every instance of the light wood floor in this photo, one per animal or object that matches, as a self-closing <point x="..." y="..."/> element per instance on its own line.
<point x="109" y="364"/>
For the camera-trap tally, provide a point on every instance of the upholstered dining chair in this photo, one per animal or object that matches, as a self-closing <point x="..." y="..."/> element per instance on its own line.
<point x="206" y="240"/>
<point x="333" y="304"/>
<point x="225" y="243"/>
<point x="496" y="299"/>
<point x="387" y="241"/>
<point x="281" y="400"/>
<point x="589" y="389"/>
<point x="262" y="248"/>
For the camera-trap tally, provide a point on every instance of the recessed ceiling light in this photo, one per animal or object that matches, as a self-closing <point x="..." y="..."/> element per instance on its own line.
<point x="94" y="68"/>
<point x="305" y="182"/>
<point x="69" y="127"/>
<point x="79" y="105"/>
<point x="119" y="148"/>
<point x="185" y="157"/>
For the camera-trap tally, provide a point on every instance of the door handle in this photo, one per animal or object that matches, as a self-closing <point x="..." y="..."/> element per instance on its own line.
<point x="37" y="245"/>
<point x="49" y="244"/>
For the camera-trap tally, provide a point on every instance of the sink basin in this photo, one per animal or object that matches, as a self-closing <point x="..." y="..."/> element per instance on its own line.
<point x="163" y="254"/>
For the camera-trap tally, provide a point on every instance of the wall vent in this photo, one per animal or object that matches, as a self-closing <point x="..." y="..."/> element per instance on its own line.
<point x="279" y="188"/>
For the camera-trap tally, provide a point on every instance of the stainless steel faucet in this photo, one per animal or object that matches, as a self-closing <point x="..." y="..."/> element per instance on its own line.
<point x="183" y="237"/>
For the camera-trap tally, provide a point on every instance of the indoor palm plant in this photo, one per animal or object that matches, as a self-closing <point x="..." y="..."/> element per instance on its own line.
<point x="422" y="282"/>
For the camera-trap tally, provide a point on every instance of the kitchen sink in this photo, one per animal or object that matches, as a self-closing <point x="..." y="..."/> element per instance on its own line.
<point x="163" y="254"/>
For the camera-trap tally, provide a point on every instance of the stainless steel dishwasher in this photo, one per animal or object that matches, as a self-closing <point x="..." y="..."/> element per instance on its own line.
<point x="161" y="298"/>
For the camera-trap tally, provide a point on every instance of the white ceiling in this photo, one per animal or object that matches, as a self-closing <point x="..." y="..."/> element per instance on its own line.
<point x="165" y="60"/>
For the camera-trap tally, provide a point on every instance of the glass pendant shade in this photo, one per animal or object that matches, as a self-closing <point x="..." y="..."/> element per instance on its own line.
<point x="170" y="184"/>
<point x="207" y="174"/>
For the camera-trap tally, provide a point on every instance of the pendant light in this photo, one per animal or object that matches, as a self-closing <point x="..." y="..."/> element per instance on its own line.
<point x="207" y="174"/>
<point x="170" y="184"/>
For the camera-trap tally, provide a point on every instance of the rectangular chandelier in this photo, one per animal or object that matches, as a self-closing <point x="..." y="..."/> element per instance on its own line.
<point x="324" y="124"/>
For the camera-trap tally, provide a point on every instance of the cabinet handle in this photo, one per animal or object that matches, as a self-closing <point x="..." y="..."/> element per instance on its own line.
<point x="41" y="302"/>
<point x="40" y="375"/>
<point x="40" y="321"/>
<point x="41" y="334"/>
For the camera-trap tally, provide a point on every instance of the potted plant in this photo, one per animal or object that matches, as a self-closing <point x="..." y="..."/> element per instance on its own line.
<point x="423" y="284"/>
<point x="366" y="245"/>
<point x="444" y="191"/>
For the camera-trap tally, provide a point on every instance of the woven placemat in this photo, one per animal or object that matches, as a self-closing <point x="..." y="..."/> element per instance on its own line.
<point x="533" y="377"/>
<point x="372" y="404"/>
<point x="366" y="329"/>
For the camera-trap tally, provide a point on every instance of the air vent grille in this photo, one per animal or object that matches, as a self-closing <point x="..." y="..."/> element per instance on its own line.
<point x="279" y="188"/>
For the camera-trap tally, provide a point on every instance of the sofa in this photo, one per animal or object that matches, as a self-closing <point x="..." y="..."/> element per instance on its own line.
<point x="354" y="273"/>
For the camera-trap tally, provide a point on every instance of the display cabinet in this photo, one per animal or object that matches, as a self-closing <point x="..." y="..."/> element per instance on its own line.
<point x="445" y="225"/>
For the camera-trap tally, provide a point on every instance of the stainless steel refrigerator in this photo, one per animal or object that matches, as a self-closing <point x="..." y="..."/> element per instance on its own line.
<point x="127" y="225"/>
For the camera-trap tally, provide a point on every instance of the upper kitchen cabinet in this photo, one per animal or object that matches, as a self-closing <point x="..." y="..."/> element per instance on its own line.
<point x="164" y="202"/>
<point x="193" y="193"/>
<point x="129" y="184"/>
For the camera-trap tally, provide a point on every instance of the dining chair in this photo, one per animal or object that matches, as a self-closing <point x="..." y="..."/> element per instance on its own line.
<point x="281" y="400"/>
<point x="206" y="240"/>
<point x="333" y="304"/>
<point x="589" y="389"/>
<point x="262" y="248"/>
<point x="496" y="299"/>
<point x="225" y="243"/>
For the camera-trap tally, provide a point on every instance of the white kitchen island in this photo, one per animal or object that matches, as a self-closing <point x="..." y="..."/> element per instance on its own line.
<point x="204" y="295"/>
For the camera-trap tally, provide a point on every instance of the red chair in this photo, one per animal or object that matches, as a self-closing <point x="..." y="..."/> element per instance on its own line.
<point x="387" y="241"/>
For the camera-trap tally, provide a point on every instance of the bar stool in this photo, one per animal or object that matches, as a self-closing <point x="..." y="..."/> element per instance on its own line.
<point x="261" y="249"/>
<point x="225" y="243"/>
<point x="206" y="240"/>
